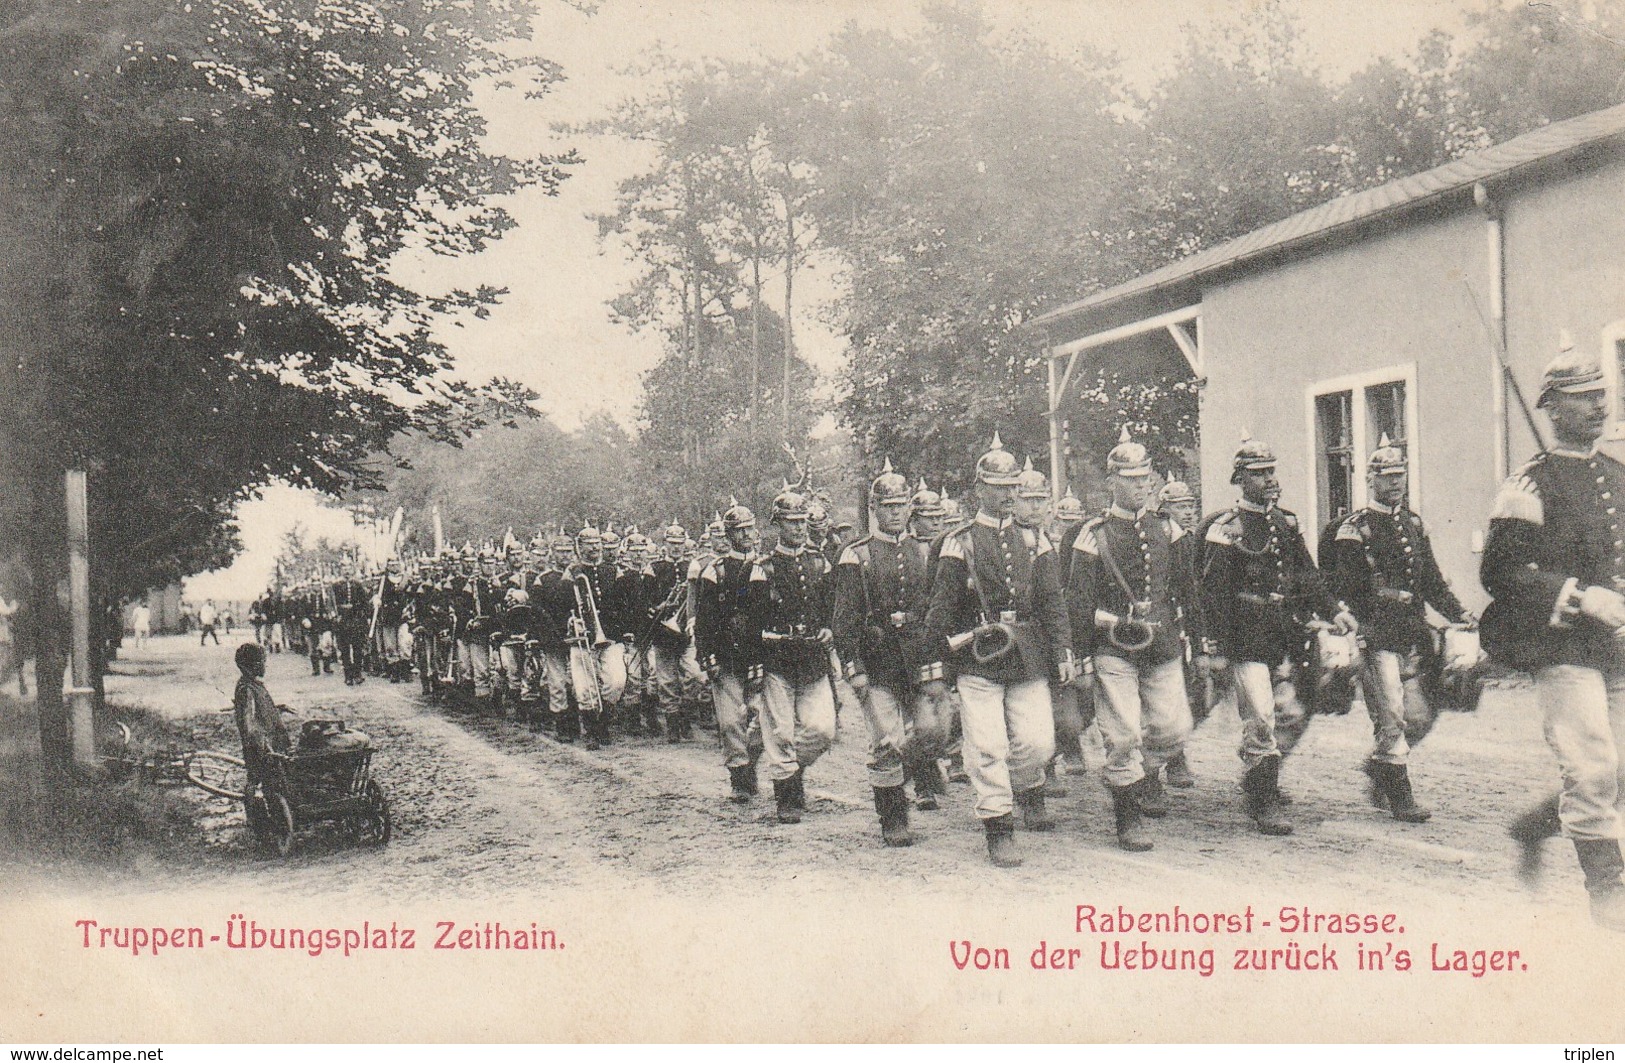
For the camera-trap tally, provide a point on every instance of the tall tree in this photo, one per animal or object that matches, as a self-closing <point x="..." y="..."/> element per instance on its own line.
<point x="202" y="202"/>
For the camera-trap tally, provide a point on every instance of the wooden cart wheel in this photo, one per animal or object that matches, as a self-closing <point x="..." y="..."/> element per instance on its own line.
<point x="375" y="823"/>
<point x="279" y="826"/>
<point x="217" y="773"/>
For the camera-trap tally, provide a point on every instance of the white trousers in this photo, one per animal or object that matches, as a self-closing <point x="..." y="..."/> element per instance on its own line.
<point x="1009" y="738"/>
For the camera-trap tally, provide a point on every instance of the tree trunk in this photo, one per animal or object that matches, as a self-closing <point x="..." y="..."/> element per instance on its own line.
<point x="789" y="280"/>
<point x="47" y="566"/>
<point x="755" y="341"/>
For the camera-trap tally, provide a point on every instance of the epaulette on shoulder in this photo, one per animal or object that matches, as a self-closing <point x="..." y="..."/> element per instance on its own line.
<point x="1040" y="542"/>
<point x="1519" y="497"/>
<point x="1085" y="542"/>
<point x="1289" y="518"/>
<point x="1353" y="529"/>
<point x="758" y="571"/>
<point x="1224" y="529"/>
<point x="709" y="573"/>
<point x="856" y="552"/>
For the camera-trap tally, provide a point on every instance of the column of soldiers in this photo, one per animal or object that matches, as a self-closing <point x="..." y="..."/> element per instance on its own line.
<point x="992" y="642"/>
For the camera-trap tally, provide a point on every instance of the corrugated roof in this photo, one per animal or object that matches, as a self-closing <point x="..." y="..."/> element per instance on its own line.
<point x="1356" y="208"/>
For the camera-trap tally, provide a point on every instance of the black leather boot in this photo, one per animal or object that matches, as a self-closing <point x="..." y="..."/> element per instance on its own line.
<point x="741" y="783"/>
<point x="1601" y="861"/>
<point x="1151" y="797"/>
<point x="1394" y="781"/>
<point x="891" y="804"/>
<point x="1034" y="816"/>
<point x="1001" y="841"/>
<point x="784" y="796"/>
<point x="1131" y="833"/>
<point x="1261" y="785"/>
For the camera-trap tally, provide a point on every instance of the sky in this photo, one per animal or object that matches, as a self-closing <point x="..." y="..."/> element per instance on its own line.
<point x="553" y="332"/>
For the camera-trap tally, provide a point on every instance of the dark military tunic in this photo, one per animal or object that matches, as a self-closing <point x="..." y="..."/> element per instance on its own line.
<point x="1556" y="529"/>
<point x="1258" y="584"/>
<point x="1381" y="564"/>
<point x="1016" y="570"/>
<point x="800" y="604"/>
<point x="1155" y="570"/>
<point x="731" y="602"/>
<point x="882" y="595"/>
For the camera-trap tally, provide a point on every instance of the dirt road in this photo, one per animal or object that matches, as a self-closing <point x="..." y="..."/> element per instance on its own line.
<point x="484" y="805"/>
<point x="688" y="917"/>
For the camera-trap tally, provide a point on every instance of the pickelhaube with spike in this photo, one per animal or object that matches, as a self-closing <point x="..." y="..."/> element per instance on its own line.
<point x="1069" y="508"/>
<point x="636" y="544"/>
<point x="589" y="536"/>
<point x="888" y="487"/>
<point x="1032" y="483"/>
<point x="1572" y="372"/>
<point x="951" y="509"/>
<point x="1387" y="459"/>
<point x="790" y="504"/>
<point x="738" y="516"/>
<point x="926" y="502"/>
<point x="1252" y="455"/>
<point x="997" y="466"/>
<point x="674" y="535"/>
<point x="1128" y="458"/>
<point x="1175" y="491"/>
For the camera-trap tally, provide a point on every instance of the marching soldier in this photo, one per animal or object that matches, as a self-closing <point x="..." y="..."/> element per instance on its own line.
<point x="1554" y="562"/>
<point x="1032" y="507"/>
<point x="1181" y="515"/>
<point x="600" y="612"/>
<point x="670" y="636"/>
<point x="1127" y="588"/>
<point x="479" y="599"/>
<point x="319" y="617"/>
<point x="926" y="516"/>
<point x="1381" y="563"/>
<point x="518" y="624"/>
<point x="554" y="596"/>
<point x="352" y="601"/>
<point x="1257" y="581"/>
<point x="640" y="593"/>
<point x="731" y="605"/>
<point x="389" y="609"/>
<point x="998" y="616"/>
<point x="881" y="598"/>
<point x="798" y="698"/>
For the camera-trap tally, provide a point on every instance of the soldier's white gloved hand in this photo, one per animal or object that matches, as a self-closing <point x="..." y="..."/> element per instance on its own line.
<point x="1604" y="606"/>
<point x="859" y="682"/>
<point x="1345" y="623"/>
<point x="1068" y="670"/>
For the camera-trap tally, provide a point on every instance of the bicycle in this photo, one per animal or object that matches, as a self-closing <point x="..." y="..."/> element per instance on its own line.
<point x="213" y="771"/>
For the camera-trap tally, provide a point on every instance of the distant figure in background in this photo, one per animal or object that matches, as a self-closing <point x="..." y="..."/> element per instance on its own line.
<point x="206" y="620"/>
<point x="9" y="659"/>
<point x="141" y="623"/>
